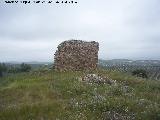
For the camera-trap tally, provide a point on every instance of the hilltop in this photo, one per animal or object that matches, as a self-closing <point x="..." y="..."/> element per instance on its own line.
<point x="60" y="95"/>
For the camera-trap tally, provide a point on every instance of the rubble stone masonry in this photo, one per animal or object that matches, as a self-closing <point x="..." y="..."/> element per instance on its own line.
<point x="76" y="55"/>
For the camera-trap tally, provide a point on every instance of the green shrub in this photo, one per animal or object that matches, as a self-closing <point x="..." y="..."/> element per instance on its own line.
<point x="140" y="73"/>
<point x="25" y="67"/>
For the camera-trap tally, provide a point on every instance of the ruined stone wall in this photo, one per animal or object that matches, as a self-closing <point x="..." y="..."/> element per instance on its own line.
<point x="75" y="55"/>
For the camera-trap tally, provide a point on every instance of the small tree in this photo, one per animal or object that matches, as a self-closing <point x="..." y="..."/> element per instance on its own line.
<point x="3" y="69"/>
<point x="140" y="73"/>
<point x="25" y="67"/>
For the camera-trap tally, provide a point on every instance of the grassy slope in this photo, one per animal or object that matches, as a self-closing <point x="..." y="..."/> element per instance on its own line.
<point x="60" y="96"/>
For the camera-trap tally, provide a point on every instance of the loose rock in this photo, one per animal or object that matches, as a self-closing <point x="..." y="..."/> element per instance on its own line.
<point x="94" y="78"/>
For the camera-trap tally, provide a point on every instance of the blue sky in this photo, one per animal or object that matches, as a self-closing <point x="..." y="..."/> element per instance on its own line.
<point x="124" y="28"/>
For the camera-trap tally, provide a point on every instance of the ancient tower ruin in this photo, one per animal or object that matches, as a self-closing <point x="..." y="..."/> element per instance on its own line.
<point x="76" y="55"/>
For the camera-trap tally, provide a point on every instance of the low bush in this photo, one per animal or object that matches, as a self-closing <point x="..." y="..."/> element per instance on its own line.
<point x="140" y="73"/>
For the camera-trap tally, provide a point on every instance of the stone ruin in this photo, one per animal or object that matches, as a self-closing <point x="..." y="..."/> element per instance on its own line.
<point x="76" y="55"/>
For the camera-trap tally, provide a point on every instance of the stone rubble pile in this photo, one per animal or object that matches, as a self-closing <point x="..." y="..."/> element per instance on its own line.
<point x="76" y="55"/>
<point x="94" y="78"/>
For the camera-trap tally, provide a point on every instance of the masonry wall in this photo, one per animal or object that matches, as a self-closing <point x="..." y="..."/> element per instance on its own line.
<point x="75" y="55"/>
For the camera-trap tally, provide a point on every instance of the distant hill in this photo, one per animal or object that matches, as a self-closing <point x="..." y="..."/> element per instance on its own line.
<point x="152" y="67"/>
<point x="31" y="62"/>
<point x="116" y="62"/>
<point x="105" y="62"/>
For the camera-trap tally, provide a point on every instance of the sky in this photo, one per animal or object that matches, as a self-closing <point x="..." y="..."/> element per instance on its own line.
<point x="125" y="29"/>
